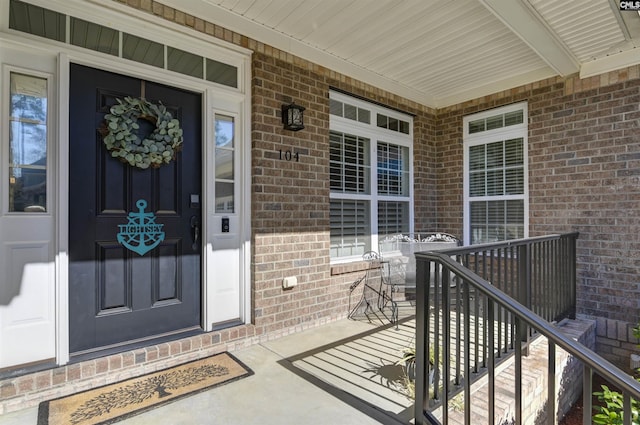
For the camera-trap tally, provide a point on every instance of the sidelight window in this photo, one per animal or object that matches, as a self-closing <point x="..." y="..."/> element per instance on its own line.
<point x="224" y="159"/>
<point x="28" y="117"/>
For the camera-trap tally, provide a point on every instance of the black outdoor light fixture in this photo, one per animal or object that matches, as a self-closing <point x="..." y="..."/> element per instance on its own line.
<point x="293" y="117"/>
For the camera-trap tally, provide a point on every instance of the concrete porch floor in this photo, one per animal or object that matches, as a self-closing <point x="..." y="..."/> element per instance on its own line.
<point x="340" y="373"/>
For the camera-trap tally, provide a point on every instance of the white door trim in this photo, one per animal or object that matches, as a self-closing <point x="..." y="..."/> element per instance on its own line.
<point x="233" y="103"/>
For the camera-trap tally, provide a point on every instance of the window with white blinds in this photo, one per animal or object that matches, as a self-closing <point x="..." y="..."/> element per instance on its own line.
<point x="349" y="163"/>
<point x="495" y="161"/>
<point x="393" y="169"/>
<point x="393" y="217"/>
<point x="370" y="176"/>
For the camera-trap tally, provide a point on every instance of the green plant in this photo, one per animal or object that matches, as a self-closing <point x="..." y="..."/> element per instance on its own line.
<point x="409" y="355"/>
<point x="408" y="361"/>
<point x="610" y="412"/>
<point x="611" y="407"/>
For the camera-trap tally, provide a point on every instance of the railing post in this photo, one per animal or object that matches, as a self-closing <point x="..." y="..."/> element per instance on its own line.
<point x="572" y="271"/>
<point x="587" y="390"/>
<point x="524" y="286"/>
<point x="422" y="311"/>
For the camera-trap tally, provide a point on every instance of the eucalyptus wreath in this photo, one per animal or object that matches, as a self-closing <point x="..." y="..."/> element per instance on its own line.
<point x="121" y="133"/>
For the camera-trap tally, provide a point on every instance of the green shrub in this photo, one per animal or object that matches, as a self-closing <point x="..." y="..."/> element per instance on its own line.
<point x="611" y="408"/>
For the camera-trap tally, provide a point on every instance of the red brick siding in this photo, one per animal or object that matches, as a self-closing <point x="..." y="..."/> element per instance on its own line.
<point x="290" y="199"/>
<point x="584" y="175"/>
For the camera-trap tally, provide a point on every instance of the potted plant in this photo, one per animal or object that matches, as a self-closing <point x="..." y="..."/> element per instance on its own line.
<point x="408" y="359"/>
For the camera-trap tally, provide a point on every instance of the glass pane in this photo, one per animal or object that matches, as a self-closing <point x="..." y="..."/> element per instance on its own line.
<point x="495" y="183"/>
<point x="349" y="164"/>
<point x="335" y="163"/>
<point x="393" y="169"/>
<point x="515" y="211"/>
<point x="224" y="197"/>
<point x="513" y="118"/>
<point x="477" y="184"/>
<point x="350" y="112"/>
<point x="222" y="73"/>
<point x="224" y="164"/>
<point x="479" y="234"/>
<point x="352" y="179"/>
<point x="476" y="157"/>
<point x="27" y="189"/>
<point x="494" y="122"/>
<point x="364" y="116"/>
<point x="382" y="121"/>
<point x="335" y="107"/>
<point x="393" y="218"/>
<point x="478" y="212"/>
<point x="393" y="124"/>
<point x="93" y="36"/>
<point x="513" y="152"/>
<point x="476" y="126"/>
<point x="224" y="131"/>
<point x="404" y="127"/>
<point x="495" y="155"/>
<point x="224" y="157"/>
<point x="350" y="228"/>
<point x="514" y="227"/>
<point x="28" y="143"/>
<point x="184" y="62"/>
<point x="142" y="50"/>
<point x="37" y="21"/>
<point x="514" y="181"/>
<point x="478" y="223"/>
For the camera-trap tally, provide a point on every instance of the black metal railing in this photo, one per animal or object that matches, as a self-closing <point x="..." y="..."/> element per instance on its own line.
<point x="478" y="305"/>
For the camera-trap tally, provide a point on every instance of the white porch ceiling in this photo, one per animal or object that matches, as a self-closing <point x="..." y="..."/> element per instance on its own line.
<point x="438" y="52"/>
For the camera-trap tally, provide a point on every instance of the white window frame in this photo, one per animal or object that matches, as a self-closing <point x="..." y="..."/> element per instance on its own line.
<point x="375" y="135"/>
<point x="486" y="137"/>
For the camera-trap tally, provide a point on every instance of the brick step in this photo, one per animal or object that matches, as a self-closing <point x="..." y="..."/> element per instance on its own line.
<point x="534" y="383"/>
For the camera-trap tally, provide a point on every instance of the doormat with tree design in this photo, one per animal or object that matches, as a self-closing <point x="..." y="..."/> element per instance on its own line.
<point x="114" y="402"/>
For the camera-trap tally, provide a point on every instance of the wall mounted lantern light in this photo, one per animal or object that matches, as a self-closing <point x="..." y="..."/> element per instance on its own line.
<point x="293" y="117"/>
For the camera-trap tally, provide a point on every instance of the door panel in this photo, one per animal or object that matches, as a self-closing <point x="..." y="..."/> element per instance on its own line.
<point x="115" y="294"/>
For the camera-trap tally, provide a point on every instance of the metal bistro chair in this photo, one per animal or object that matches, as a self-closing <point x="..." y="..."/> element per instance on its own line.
<point x="382" y="278"/>
<point x="376" y="283"/>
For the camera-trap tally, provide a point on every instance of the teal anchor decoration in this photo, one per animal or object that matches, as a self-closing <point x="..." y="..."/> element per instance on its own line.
<point x="141" y="234"/>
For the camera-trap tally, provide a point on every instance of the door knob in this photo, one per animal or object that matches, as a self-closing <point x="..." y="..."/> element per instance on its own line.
<point x="195" y="227"/>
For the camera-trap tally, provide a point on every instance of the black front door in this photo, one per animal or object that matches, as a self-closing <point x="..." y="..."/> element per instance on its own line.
<point x="117" y="295"/>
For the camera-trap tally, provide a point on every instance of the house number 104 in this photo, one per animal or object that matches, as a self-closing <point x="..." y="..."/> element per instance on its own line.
<point x="288" y="155"/>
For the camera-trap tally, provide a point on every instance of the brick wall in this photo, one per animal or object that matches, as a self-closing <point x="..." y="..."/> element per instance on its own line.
<point x="615" y="342"/>
<point x="584" y="175"/>
<point x="290" y="199"/>
<point x="290" y="207"/>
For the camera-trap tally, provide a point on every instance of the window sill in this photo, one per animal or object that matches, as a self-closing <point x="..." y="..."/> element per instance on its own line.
<point x="346" y="268"/>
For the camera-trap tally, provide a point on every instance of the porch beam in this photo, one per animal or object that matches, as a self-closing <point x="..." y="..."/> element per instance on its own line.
<point x="527" y="24"/>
